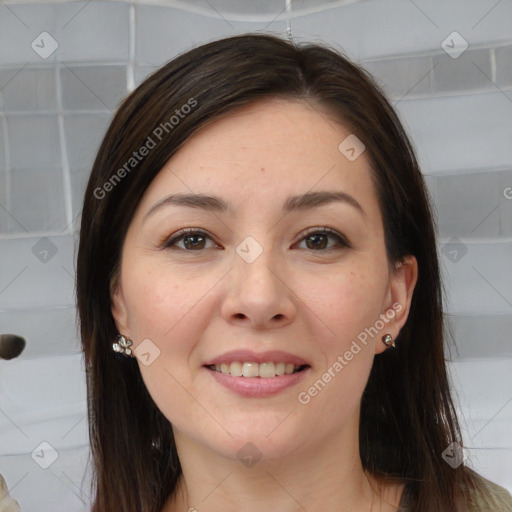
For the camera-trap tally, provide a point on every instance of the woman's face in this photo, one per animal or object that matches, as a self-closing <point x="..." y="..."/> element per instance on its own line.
<point x="288" y="266"/>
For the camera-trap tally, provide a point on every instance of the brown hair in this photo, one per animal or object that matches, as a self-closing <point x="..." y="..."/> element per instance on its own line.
<point x="407" y="415"/>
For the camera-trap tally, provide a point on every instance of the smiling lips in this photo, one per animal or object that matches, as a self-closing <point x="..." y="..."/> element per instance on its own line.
<point x="246" y="363"/>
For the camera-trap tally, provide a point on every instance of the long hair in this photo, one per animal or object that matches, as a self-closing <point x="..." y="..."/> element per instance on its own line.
<point x="407" y="416"/>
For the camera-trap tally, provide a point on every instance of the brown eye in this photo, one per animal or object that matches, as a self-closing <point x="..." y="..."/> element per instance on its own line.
<point x="319" y="240"/>
<point x="193" y="240"/>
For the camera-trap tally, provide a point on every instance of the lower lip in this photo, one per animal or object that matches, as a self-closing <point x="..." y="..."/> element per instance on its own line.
<point x="258" y="386"/>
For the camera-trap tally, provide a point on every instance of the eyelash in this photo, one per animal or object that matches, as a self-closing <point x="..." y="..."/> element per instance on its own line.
<point x="170" y="242"/>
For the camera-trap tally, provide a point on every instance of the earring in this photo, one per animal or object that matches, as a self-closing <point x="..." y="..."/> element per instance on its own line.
<point x="387" y="339"/>
<point x="122" y="345"/>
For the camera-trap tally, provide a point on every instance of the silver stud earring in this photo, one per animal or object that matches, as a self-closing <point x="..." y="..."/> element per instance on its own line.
<point x="122" y="345"/>
<point x="387" y="339"/>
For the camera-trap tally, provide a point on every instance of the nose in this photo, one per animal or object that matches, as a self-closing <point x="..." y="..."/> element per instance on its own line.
<point x="259" y="295"/>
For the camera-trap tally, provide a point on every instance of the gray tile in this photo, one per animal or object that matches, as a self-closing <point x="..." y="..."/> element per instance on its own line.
<point x="38" y="327"/>
<point x="37" y="200"/>
<point x="164" y="32"/>
<point x="84" y="133"/>
<point x="504" y="66"/>
<point x="34" y="141"/>
<point x="93" y="87"/>
<point x="478" y="279"/>
<point x="474" y="205"/>
<point x="22" y="24"/>
<point x="374" y="29"/>
<point x="2" y="144"/>
<point x="83" y="31"/>
<point x="143" y="72"/>
<point x="48" y="279"/>
<point x="444" y="135"/>
<point x="28" y="89"/>
<point x="402" y="77"/>
<point x="95" y="30"/>
<point x="472" y="70"/>
<point x="79" y="179"/>
<point x="3" y="202"/>
<point x="469" y="332"/>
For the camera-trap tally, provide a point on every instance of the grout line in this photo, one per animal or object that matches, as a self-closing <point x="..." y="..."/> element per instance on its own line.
<point x="19" y="235"/>
<point x="66" y="178"/>
<point x="8" y="174"/>
<point x="32" y="113"/>
<point x="288" y="8"/>
<point x="493" y="64"/>
<point x="428" y="52"/>
<point x="431" y="74"/>
<point x="130" y="68"/>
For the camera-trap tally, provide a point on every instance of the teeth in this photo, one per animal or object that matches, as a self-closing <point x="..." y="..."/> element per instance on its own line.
<point x="249" y="369"/>
<point x="235" y="369"/>
<point x="267" y="370"/>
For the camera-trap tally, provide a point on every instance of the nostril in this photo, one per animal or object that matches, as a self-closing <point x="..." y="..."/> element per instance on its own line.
<point x="11" y="346"/>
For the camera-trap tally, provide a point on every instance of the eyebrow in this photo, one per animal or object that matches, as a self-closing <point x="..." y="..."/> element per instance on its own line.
<point x="303" y="202"/>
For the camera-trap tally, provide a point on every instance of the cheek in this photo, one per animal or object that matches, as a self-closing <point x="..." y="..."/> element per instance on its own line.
<point x="161" y="304"/>
<point x="345" y="303"/>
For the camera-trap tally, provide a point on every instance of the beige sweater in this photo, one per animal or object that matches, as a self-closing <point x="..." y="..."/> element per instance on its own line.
<point x="486" y="497"/>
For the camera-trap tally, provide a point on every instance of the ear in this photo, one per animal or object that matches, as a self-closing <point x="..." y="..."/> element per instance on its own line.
<point x="119" y="309"/>
<point x="398" y="299"/>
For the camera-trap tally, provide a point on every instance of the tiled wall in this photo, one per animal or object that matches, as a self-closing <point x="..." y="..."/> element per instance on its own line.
<point x="54" y="111"/>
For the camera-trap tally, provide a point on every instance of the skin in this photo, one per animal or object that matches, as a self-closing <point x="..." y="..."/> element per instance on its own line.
<point x="196" y="304"/>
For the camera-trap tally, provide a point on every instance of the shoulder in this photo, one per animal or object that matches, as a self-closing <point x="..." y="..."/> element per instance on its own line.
<point x="481" y="495"/>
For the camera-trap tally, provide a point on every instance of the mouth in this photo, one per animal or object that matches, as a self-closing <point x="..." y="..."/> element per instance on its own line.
<point x="249" y="369"/>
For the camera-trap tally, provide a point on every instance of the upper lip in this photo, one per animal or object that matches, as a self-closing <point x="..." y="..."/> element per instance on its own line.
<point x="248" y="356"/>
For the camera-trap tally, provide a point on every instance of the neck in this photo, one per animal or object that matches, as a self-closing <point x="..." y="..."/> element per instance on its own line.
<point x="326" y="477"/>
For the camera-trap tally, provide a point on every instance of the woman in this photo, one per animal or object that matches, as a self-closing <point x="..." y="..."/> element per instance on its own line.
<point x="259" y="296"/>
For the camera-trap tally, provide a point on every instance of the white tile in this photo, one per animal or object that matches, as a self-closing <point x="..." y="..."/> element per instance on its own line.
<point x="483" y="391"/>
<point x="63" y="487"/>
<point x="43" y="399"/>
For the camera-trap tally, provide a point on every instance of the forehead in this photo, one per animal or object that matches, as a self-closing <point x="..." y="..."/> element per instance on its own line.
<point x="265" y="151"/>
